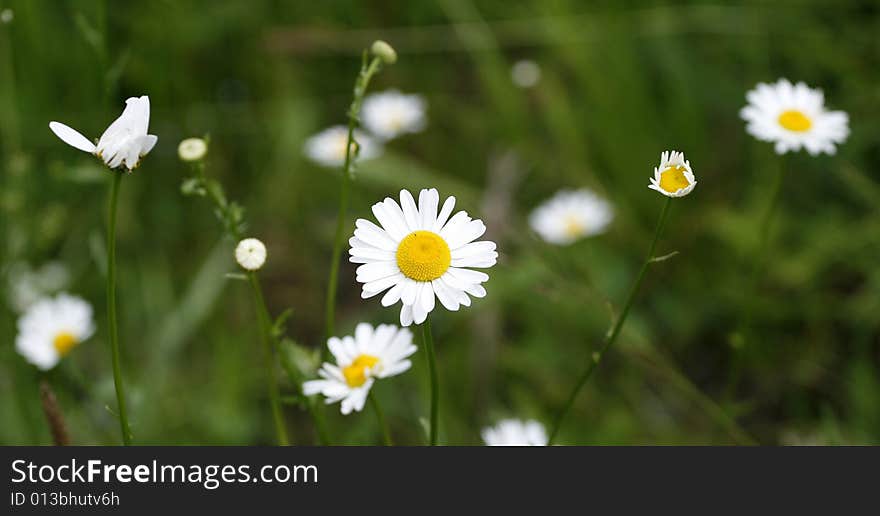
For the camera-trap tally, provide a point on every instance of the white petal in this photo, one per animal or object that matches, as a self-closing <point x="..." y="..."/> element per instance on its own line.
<point x="72" y="137"/>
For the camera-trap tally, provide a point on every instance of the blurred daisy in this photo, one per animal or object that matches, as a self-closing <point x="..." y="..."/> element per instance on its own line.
<point x="674" y="177"/>
<point x="327" y="148"/>
<point x="250" y="253"/>
<point x="192" y="149"/>
<point x="418" y="254"/>
<point x="372" y="353"/>
<point x="391" y="113"/>
<point x="571" y="215"/>
<point x="125" y="142"/>
<point x="7" y="15"/>
<point x="51" y="328"/>
<point x="514" y="432"/>
<point x="525" y="73"/>
<point x="794" y="116"/>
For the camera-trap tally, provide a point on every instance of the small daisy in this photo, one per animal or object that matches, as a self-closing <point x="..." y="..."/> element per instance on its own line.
<point x="390" y="114"/>
<point x="51" y="328"/>
<point x="250" y="253"/>
<point x="794" y="116"/>
<point x="571" y="215"/>
<point x="525" y="73"/>
<point x="125" y="142"/>
<point x="327" y="148"/>
<point x="514" y="432"/>
<point x="192" y="149"/>
<point x="674" y="177"/>
<point x="372" y="353"/>
<point x="418" y="254"/>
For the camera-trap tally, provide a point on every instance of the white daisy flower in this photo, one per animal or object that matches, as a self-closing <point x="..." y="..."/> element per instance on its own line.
<point x="571" y="215"/>
<point x="372" y="353"/>
<point x="525" y="73"/>
<point x="250" y="253"/>
<point x="52" y="327"/>
<point x="390" y="114"/>
<point x="514" y="432"/>
<point x="327" y="148"/>
<point x="418" y="253"/>
<point x="794" y="116"/>
<point x="125" y="142"/>
<point x="674" y="177"/>
<point x="192" y="149"/>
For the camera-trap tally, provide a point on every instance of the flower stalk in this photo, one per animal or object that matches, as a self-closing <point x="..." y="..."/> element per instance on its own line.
<point x="611" y="336"/>
<point x="111" y="308"/>
<point x="434" y="380"/>
<point x="380" y="419"/>
<point x="270" y="352"/>
<point x="368" y="69"/>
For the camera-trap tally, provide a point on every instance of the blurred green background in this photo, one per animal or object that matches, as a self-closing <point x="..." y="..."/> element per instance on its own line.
<point x="621" y="81"/>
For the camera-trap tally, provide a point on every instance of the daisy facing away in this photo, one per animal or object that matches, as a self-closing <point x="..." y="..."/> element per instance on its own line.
<point x="51" y="328"/>
<point x="571" y="215"/>
<point x="125" y="142"/>
<point x="419" y="255"/>
<point x="674" y="177"/>
<point x="515" y="432"/>
<point x="371" y="353"/>
<point x="390" y="114"/>
<point x="792" y="117"/>
<point x="327" y="148"/>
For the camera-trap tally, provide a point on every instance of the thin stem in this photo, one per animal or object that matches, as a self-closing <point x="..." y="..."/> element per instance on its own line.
<point x="380" y="418"/>
<point x="311" y="402"/>
<point x="760" y="254"/>
<point x="111" y="308"/>
<point x="428" y="338"/>
<point x="269" y="352"/>
<point x="360" y="88"/>
<point x="615" y="330"/>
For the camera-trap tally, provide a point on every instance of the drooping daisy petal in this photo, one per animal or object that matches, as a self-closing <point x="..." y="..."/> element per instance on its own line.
<point x="72" y="137"/>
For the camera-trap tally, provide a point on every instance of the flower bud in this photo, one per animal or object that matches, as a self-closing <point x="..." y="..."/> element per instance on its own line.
<point x="250" y="254"/>
<point x="192" y="149"/>
<point x="384" y="51"/>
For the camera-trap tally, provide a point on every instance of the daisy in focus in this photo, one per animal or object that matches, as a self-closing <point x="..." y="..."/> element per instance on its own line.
<point x="794" y="116"/>
<point x="125" y="142"/>
<point x="391" y="114"/>
<point x="515" y="432"/>
<point x="371" y="353"/>
<point x="51" y="328"/>
<point x="674" y="177"/>
<point x="571" y="215"/>
<point x="419" y="255"/>
<point x="327" y="148"/>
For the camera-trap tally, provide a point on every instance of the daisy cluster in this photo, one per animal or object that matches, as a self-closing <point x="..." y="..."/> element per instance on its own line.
<point x="385" y="116"/>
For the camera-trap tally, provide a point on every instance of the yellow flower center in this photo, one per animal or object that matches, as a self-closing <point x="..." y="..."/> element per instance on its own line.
<point x="572" y="227"/>
<point x="796" y="121"/>
<point x="356" y="373"/>
<point x="64" y="342"/>
<point x="423" y="256"/>
<point x="673" y="179"/>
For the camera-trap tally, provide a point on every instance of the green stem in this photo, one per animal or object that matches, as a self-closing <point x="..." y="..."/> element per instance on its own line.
<point x="360" y="88"/>
<point x="380" y="418"/>
<point x="435" y="383"/>
<point x="269" y="352"/>
<point x="615" y="330"/>
<point x="111" y="308"/>
<point x="315" y="411"/>
<point x="760" y="254"/>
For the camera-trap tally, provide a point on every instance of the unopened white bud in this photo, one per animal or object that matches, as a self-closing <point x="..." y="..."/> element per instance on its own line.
<point x="192" y="149"/>
<point x="384" y="51"/>
<point x="250" y="253"/>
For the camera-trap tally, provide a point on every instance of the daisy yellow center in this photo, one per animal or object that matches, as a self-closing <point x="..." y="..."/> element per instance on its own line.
<point x="64" y="342"/>
<point x="673" y="179"/>
<point x="423" y="256"/>
<point x="796" y="121"/>
<point x="356" y="373"/>
<point x="572" y="227"/>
